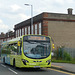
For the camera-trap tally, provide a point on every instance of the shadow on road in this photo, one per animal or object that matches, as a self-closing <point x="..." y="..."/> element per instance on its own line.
<point x="31" y="70"/>
<point x="27" y="69"/>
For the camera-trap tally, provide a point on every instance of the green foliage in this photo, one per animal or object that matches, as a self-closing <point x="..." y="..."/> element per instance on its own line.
<point x="67" y="56"/>
<point x="73" y="59"/>
<point x="61" y="54"/>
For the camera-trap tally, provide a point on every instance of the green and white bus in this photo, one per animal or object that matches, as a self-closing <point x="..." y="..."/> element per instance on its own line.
<point x="32" y="51"/>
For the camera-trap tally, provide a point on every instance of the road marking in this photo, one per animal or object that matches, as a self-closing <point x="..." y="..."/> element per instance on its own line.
<point x="3" y="65"/>
<point x="61" y="71"/>
<point x="12" y="71"/>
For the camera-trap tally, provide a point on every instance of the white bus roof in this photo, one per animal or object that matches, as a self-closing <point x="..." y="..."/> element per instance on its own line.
<point x="12" y="40"/>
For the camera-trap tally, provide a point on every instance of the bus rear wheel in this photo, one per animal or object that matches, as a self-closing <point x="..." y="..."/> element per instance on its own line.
<point x="4" y="60"/>
<point x="14" y="63"/>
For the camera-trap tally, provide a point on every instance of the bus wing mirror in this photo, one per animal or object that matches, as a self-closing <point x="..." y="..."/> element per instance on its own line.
<point x="53" y="46"/>
<point x="19" y="43"/>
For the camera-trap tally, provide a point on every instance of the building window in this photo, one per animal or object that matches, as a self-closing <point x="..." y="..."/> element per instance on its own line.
<point x="29" y="30"/>
<point x="35" y="28"/>
<point x="25" y="31"/>
<point x="39" y="28"/>
<point x="22" y="31"/>
<point x="32" y="29"/>
<point x="8" y="34"/>
<point x="18" y="33"/>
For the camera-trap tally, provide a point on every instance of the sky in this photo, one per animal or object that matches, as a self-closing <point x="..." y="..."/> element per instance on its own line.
<point x="13" y="12"/>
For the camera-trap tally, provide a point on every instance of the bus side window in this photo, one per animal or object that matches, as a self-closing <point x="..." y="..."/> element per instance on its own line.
<point x="13" y="49"/>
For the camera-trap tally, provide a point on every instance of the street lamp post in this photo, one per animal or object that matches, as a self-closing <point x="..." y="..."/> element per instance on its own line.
<point x="31" y="15"/>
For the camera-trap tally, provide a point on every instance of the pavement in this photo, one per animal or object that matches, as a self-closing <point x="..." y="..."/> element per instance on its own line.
<point x="64" y="66"/>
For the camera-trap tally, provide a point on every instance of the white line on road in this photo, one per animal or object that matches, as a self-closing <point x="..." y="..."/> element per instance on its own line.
<point x="3" y="65"/>
<point x="13" y="71"/>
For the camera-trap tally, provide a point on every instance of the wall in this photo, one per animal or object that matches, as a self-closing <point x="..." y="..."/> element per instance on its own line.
<point x="63" y="33"/>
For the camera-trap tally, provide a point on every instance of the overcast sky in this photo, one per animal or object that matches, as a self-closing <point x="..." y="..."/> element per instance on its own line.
<point x="14" y="11"/>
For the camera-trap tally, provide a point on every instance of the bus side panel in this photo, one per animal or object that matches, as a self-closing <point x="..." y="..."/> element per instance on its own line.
<point x="3" y="57"/>
<point x="18" y="61"/>
<point x="11" y="59"/>
<point x="7" y="59"/>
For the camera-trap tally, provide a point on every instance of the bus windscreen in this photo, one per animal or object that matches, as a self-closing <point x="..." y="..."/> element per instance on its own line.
<point x="36" y="46"/>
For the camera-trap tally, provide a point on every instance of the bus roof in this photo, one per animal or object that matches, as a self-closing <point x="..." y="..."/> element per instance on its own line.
<point x="17" y="39"/>
<point x="12" y="40"/>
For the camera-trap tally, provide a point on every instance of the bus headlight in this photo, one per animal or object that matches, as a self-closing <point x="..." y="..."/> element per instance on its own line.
<point x="25" y="61"/>
<point x="48" y="61"/>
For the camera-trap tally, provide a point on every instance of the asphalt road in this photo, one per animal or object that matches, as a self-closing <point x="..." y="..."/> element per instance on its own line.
<point x="9" y="70"/>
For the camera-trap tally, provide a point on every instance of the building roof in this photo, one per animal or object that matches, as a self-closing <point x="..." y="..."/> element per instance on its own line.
<point x="28" y="21"/>
<point x="10" y="33"/>
<point x="47" y="16"/>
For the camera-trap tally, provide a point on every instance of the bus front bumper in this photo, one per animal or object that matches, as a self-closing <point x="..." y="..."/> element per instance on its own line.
<point x="36" y="65"/>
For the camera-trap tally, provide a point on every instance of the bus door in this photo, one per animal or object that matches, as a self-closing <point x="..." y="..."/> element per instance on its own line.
<point x="19" y="51"/>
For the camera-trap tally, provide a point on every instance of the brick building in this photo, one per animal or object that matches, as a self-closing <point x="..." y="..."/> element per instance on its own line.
<point x="9" y="35"/>
<point x="2" y="35"/>
<point x="61" y="27"/>
<point x="5" y="37"/>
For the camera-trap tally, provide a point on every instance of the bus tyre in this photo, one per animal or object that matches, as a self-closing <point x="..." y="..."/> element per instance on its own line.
<point x="4" y="60"/>
<point x="14" y="63"/>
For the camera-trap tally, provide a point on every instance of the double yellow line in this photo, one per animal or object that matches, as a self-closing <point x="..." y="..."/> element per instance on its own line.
<point x="61" y="71"/>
